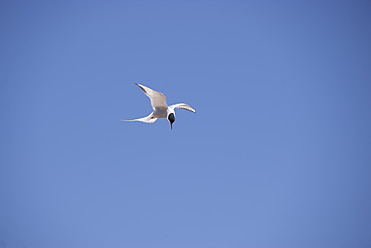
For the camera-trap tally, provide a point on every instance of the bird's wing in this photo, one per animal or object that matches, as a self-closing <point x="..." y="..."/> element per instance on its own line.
<point x="147" y="119"/>
<point x="182" y="106"/>
<point x="158" y="100"/>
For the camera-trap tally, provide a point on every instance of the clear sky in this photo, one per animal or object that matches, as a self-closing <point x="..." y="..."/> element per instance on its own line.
<point x="277" y="155"/>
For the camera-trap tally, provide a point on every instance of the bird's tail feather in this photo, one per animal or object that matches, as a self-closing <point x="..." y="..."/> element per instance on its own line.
<point x="147" y="119"/>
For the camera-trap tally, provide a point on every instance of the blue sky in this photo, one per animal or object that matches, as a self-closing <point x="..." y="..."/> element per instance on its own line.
<point x="277" y="155"/>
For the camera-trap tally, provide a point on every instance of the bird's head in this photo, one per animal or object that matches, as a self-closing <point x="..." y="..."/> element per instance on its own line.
<point x="171" y="119"/>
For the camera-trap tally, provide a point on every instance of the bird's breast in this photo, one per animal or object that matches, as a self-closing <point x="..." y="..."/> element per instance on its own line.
<point x="160" y="113"/>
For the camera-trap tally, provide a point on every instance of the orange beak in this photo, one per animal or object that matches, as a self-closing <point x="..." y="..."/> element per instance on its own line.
<point x="171" y="124"/>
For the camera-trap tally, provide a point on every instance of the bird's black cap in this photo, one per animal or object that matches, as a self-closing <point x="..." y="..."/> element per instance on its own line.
<point x="171" y="118"/>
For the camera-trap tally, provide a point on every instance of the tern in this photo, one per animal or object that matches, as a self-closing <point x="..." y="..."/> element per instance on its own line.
<point x="160" y="108"/>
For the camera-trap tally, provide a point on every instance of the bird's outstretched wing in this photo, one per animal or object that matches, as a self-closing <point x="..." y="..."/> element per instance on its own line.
<point x="158" y="100"/>
<point x="183" y="106"/>
<point x="147" y="119"/>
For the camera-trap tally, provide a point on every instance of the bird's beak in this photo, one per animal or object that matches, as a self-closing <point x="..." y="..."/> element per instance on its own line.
<point x="171" y="124"/>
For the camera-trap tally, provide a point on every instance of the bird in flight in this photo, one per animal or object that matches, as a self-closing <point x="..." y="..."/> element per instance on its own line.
<point x="160" y="108"/>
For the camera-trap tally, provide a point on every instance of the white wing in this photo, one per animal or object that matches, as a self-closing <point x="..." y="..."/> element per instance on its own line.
<point x="182" y="106"/>
<point x="158" y="100"/>
<point x="147" y="119"/>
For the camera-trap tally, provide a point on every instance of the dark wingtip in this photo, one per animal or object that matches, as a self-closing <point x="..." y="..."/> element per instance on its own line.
<point x="141" y="88"/>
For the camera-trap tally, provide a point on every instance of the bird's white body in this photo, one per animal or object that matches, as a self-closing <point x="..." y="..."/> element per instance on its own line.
<point x="160" y="108"/>
<point x="160" y="113"/>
